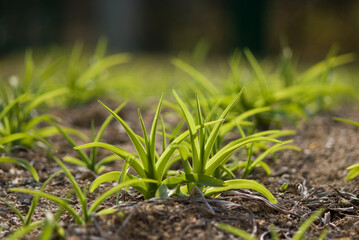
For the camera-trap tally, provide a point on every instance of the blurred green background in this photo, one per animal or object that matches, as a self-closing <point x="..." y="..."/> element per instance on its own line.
<point x="309" y="27"/>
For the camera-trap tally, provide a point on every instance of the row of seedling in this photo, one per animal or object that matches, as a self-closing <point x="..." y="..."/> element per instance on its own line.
<point x="209" y="165"/>
<point x="210" y="161"/>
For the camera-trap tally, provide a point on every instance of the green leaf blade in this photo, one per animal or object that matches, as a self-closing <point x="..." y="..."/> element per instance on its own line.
<point x="134" y="162"/>
<point x="166" y="155"/>
<point x="107" y="177"/>
<point x="23" y="163"/>
<point x="76" y="187"/>
<point x="52" y="198"/>
<point x="199" y="77"/>
<point x="347" y="121"/>
<point x="134" y="138"/>
<point x="115" y="189"/>
<point x="22" y="232"/>
<point x="204" y="180"/>
<point x="196" y="151"/>
<point x="303" y="228"/>
<point x="240" y="184"/>
<point x="216" y="129"/>
<point x="236" y="231"/>
<point x="222" y="156"/>
<point x="152" y="139"/>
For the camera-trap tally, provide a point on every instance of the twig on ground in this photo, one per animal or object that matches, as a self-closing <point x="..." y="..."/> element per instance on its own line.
<point x="265" y="201"/>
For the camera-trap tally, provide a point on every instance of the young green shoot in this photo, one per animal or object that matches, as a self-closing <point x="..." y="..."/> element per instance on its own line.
<point x="147" y="163"/>
<point x="27" y="220"/>
<point x="90" y="161"/>
<point x="86" y="210"/>
<point x="205" y="161"/>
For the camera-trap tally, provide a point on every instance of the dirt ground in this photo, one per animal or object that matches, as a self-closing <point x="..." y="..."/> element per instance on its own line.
<point x="315" y="178"/>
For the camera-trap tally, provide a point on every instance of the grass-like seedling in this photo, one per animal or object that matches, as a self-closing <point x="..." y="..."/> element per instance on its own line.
<point x="148" y="164"/>
<point x="49" y="226"/>
<point x="205" y="161"/>
<point x="153" y="166"/>
<point x="90" y="161"/>
<point x="290" y="95"/>
<point x="307" y="89"/>
<point x="22" y="232"/>
<point x="27" y="220"/>
<point x="18" y="124"/>
<point x="20" y="99"/>
<point x="299" y="235"/>
<point x="249" y="165"/>
<point x="85" y="79"/>
<point x="257" y="161"/>
<point x="86" y="211"/>
<point x="21" y="126"/>
<point x="353" y="169"/>
<point x="240" y="121"/>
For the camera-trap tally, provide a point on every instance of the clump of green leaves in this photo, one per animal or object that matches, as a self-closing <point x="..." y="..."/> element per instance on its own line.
<point x="353" y="169"/>
<point x="19" y="118"/>
<point x="86" y="211"/>
<point x="150" y="165"/>
<point x="27" y="220"/>
<point x="86" y="77"/>
<point x="90" y="161"/>
<point x="242" y="121"/>
<point x="206" y="159"/>
<point x="27" y="224"/>
<point x="290" y="95"/>
<point x="147" y="163"/>
<point x="21" y="125"/>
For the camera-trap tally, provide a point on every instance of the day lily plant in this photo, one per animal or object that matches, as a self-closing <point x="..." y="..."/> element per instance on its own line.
<point x="148" y="164"/>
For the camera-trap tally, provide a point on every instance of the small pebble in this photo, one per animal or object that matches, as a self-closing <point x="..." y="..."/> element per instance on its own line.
<point x="344" y="202"/>
<point x="5" y="226"/>
<point x="356" y="227"/>
<point x="307" y="152"/>
<point x="88" y="175"/>
<point x="330" y="142"/>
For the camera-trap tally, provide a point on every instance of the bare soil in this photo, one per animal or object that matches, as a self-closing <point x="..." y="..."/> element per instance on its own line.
<point x="315" y="178"/>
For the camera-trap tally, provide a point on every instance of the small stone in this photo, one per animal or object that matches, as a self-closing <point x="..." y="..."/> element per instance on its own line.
<point x="87" y="175"/>
<point x="356" y="227"/>
<point x="292" y="188"/>
<point x="330" y="142"/>
<point x="307" y="152"/>
<point x="12" y="170"/>
<point x="5" y="226"/>
<point x="344" y="202"/>
<point x="25" y="199"/>
<point x="15" y="181"/>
